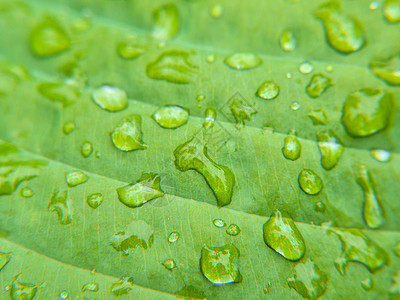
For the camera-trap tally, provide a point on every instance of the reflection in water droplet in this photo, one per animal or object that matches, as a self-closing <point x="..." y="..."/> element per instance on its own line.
<point x="318" y="85"/>
<point x="331" y="148"/>
<point x="288" y="41"/>
<point x="173" y="237"/>
<point x="219" y="223"/>
<point x="110" y="98"/>
<point x="86" y="149"/>
<point x="292" y="147"/>
<point x="68" y="127"/>
<point x="310" y="182"/>
<point x="306" y="67"/>
<point x="169" y="264"/>
<point x="268" y="90"/>
<point x="122" y="287"/>
<point x="391" y="11"/>
<point x="60" y="204"/>
<point x="283" y="236"/>
<point x="387" y="69"/>
<point x="94" y="200"/>
<point x="166" y="21"/>
<point x="216" y="11"/>
<point x="127" y="135"/>
<point x="171" y="116"/>
<point x="26" y="192"/>
<point x="220" y="264"/>
<point x="233" y="230"/>
<point x="243" y="61"/>
<point x="367" y="284"/>
<point x="90" y="287"/>
<point x="295" y="106"/>
<point x="75" y="178"/>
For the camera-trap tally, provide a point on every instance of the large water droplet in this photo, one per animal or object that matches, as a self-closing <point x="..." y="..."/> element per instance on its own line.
<point x="310" y="182"/>
<point x="318" y="84"/>
<point x="173" y="237"/>
<point x="233" y="230"/>
<point x="211" y="115"/>
<point x="75" y="178"/>
<point x="110" y="98"/>
<point x="357" y="247"/>
<point x="268" y="90"/>
<point x="127" y="135"/>
<point x="94" y="200"/>
<point x="4" y="259"/>
<point x="367" y="111"/>
<point x="391" y="11"/>
<point x="64" y="93"/>
<point x="166" y="21"/>
<point x="90" y="287"/>
<point x="343" y="32"/>
<point x="220" y="264"/>
<point x="26" y="192"/>
<point x="292" y="147"/>
<point x="169" y="264"/>
<point x="388" y="69"/>
<point x="331" y="148"/>
<point x="381" y="155"/>
<point x="145" y="189"/>
<point x="372" y="210"/>
<point x="60" y="204"/>
<point x="122" y="287"/>
<point x="86" y="149"/>
<point x="22" y="291"/>
<point x="173" y="66"/>
<point x="288" y="41"/>
<point x="241" y="111"/>
<point x="282" y="235"/>
<point x="243" y="61"/>
<point x="192" y="155"/>
<point x="171" y="116"/>
<point x="309" y="281"/>
<point x="49" y="38"/>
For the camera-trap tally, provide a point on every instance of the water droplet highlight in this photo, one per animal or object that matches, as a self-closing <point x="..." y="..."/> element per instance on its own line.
<point x="26" y="192"/>
<point x="219" y="223"/>
<point x="331" y="149"/>
<point x="94" y="200"/>
<point x="391" y="11"/>
<point x="75" y="178"/>
<point x="173" y="237"/>
<point x="127" y="135"/>
<point x="387" y="69"/>
<point x="60" y="203"/>
<point x="169" y="264"/>
<point x="86" y="149"/>
<point x="110" y="98"/>
<point x="122" y="287"/>
<point x="306" y="67"/>
<point x="243" y="61"/>
<point x="319" y="83"/>
<point x="292" y="147"/>
<point x="381" y="155"/>
<point x="268" y="90"/>
<point x="166" y="21"/>
<point x="310" y="182"/>
<point x="233" y="230"/>
<point x="171" y="116"/>
<point x="288" y="41"/>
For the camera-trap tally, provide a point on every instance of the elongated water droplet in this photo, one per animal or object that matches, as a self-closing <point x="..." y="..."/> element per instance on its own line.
<point x="211" y="115"/>
<point x="388" y="69"/>
<point x="343" y="32"/>
<point x="319" y="83"/>
<point x="173" y="66"/>
<point x="283" y="236"/>
<point x="127" y="135"/>
<point x="220" y="264"/>
<point x="4" y="259"/>
<point x="331" y="148"/>
<point x="26" y="192"/>
<point x="233" y="230"/>
<point x="243" y="61"/>
<point x="295" y="106"/>
<point x="292" y="147"/>
<point x="90" y="287"/>
<point x="75" y="178"/>
<point x="122" y="287"/>
<point x="216" y="11"/>
<point x="64" y="295"/>
<point x="288" y="41"/>
<point x="171" y="116"/>
<point x="130" y="49"/>
<point x="169" y="264"/>
<point x="64" y="93"/>
<point x="367" y="112"/>
<point x="268" y="90"/>
<point x="145" y="189"/>
<point x="86" y="149"/>
<point x="310" y="182"/>
<point x="219" y="223"/>
<point x="173" y="237"/>
<point x="192" y="155"/>
<point x="94" y="200"/>
<point x="391" y="11"/>
<point x="110" y="98"/>
<point x="309" y="281"/>
<point x="22" y="291"/>
<point x="306" y="67"/>
<point x="49" y="38"/>
<point x="60" y="203"/>
<point x="318" y="116"/>
<point x="68" y="127"/>
<point x="372" y="210"/>
<point x="367" y="284"/>
<point x="241" y="110"/>
<point x="166" y="21"/>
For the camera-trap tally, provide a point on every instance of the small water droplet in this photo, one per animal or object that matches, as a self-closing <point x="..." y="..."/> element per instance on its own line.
<point x="26" y="192"/>
<point x="391" y="11"/>
<point x="166" y="21"/>
<point x="211" y="115"/>
<point x="64" y="295"/>
<point x="306" y="67"/>
<point x="86" y="149"/>
<point x="331" y="148"/>
<point x="310" y="182"/>
<point x="171" y="116"/>
<point x="295" y="106"/>
<point x="292" y="147"/>
<point x="329" y="68"/>
<point x="219" y="223"/>
<point x="319" y="83"/>
<point x="220" y="264"/>
<point x="169" y="264"/>
<point x="211" y="58"/>
<point x="367" y="284"/>
<point x="320" y="207"/>
<point x="233" y="230"/>
<point x="7" y="288"/>
<point x="122" y="287"/>
<point x="318" y="117"/>
<point x="373" y="5"/>
<point x="75" y="178"/>
<point x="288" y="41"/>
<point x="90" y="287"/>
<point x="243" y="61"/>
<point x="94" y="200"/>
<point x="129" y="49"/>
<point x="289" y="75"/>
<point x="68" y="127"/>
<point x="110" y="98"/>
<point x="173" y="237"/>
<point x="59" y="203"/>
<point x="282" y="235"/>
<point x="216" y="11"/>
<point x="268" y="90"/>
<point x="127" y="135"/>
<point x="387" y="69"/>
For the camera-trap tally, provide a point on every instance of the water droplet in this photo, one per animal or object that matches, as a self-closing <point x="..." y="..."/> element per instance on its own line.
<point x="320" y="207"/>
<point x="216" y="11"/>
<point x="310" y="182"/>
<point x="373" y="5"/>
<point x="318" y="117"/>
<point x="319" y="83"/>
<point x="343" y="32"/>
<point x="64" y="93"/>
<point x="171" y="116"/>
<point x="173" y="66"/>
<point x="288" y="41"/>
<point x="60" y="204"/>
<point x="129" y="49"/>
<point x="357" y="247"/>
<point x="295" y="106"/>
<point x="331" y="148"/>
<point x="394" y="290"/>
<point x="233" y="230"/>
<point x="75" y="178"/>
<point x="86" y="149"/>
<point x="283" y="236"/>
<point x="173" y="237"/>
<point x="372" y="210"/>
<point x="127" y="135"/>
<point x="200" y="97"/>
<point x="110" y="98"/>
<point x="391" y="11"/>
<point x="329" y="68"/>
<point x="220" y="264"/>
<point x="26" y="192"/>
<point x="90" y="287"/>
<point x="289" y="75"/>
<point x="241" y="110"/>
<point x="68" y="127"/>
<point x="7" y="288"/>
<point x="367" y="284"/>
<point x="4" y="259"/>
<point x="396" y="250"/>
<point x="64" y="295"/>
<point x="169" y="264"/>
<point x="144" y="190"/>
<point x="367" y="111"/>
<point x="211" y="115"/>
<point x="137" y="234"/>
<point x="309" y="281"/>
<point x="192" y="155"/>
<point x="211" y="58"/>
<point x="306" y="67"/>
<point x="292" y="147"/>
<point x="22" y="291"/>
<point x="219" y="223"/>
<point x="49" y="38"/>
<point x="243" y="61"/>
<point x="166" y="21"/>
<point x="387" y="69"/>
<point x="268" y="90"/>
<point x="267" y="288"/>
<point x="94" y="200"/>
<point x="122" y="287"/>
